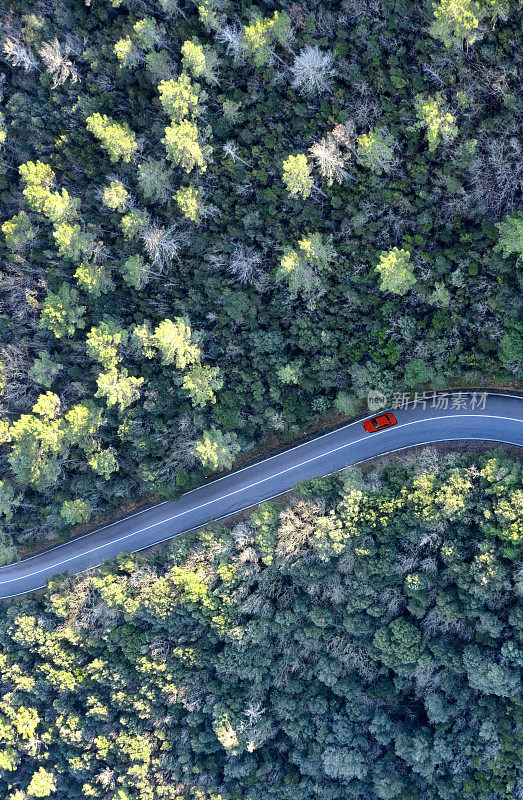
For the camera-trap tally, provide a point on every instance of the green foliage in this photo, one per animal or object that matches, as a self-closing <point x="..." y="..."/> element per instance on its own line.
<point x="345" y="403"/>
<point x="76" y="511"/>
<point x="286" y="336"/>
<point x="344" y="762"/>
<point x="265" y="520"/>
<point x="8" y="500"/>
<point x="38" y="441"/>
<point x="189" y="203"/>
<point x="440" y="124"/>
<point x="302" y="268"/>
<point x="73" y="242"/>
<point x="201" y="382"/>
<point x="258" y="36"/>
<point x="511" y="235"/>
<point x="376" y="151"/>
<point x="127" y="52"/>
<point x="175" y="342"/>
<point x="18" y="232"/>
<point x="180" y="98"/>
<point x="395" y="271"/>
<point x="117" y="138"/>
<point x="102" y="343"/>
<point x="440" y="296"/>
<point x="7" y="554"/>
<point x="199" y="60"/>
<point x="83" y="421"/>
<point x="154" y="180"/>
<point x="42" y="784"/>
<point x="61" y="313"/>
<point x="136" y="271"/>
<point x="418" y="372"/>
<point x="399" y="645"/>
<point x="133" y="223"/>
<point x="346" y="639"/>
<point x="147" y="32"/>
<point x="486" y="675"/>
<point x="511" y="344"/>
<point x="116" y="196"/>
<point x="94" y="278"/>
<point x="216" y="450"/>
<point x="119" y="388"/>
<point x="104" y="462"/>
<point x="297" y="176"/>
<point x="193" y="58"/>
<point x="39" y="178"/>
<point x="183" y="146"/>
<point x="44" y="369"/>
<point x="36" y="175"/>
<point x="458" y="22"/>
<point x="290" y="373"/>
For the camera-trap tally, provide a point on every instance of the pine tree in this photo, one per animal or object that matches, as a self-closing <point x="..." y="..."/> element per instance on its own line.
<point x="217" y="450"/>
<point x="297" y="176"/>
<point x="117" y="138"/>
<point x="395" y="271"/>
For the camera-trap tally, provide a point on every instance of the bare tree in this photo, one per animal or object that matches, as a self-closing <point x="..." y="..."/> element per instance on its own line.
<point x="330" y="160"/>
<point x="55" y="57"/>
<point x="18" y="55"/>
<point x="312" y="70"/>
<point x="162" y="244"/>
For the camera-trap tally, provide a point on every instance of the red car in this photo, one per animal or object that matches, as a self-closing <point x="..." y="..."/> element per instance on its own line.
<point x="380" y="423"/>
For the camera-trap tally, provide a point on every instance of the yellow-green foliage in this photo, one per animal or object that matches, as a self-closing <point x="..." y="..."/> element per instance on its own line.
<point x="193" y="58"/>
<point x="183" y="146"/>
<point x="94" y="278"/>
<point x="189" y="203"/>
<point x="60" y="312"/>
<point x="180" y="98"/>
<point x="302" y="268"/>
<point x="375" y="151"/>
<point x="18" y="231"/>
<point x="261" y="32"/>
<point x="297" y="176"/>
<point x="440" y="124"/>
<point x="458" y="22"/>
<point x="117" y="138"/>
<point x="395" y="271"/>
<point x="116" y="196"/>
<point x="127" y="52"/>
<point x="216" y="450"/>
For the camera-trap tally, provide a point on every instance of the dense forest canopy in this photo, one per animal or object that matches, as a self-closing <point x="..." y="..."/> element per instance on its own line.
<point x="220" y="220"/>
<point x="362" y="641"/>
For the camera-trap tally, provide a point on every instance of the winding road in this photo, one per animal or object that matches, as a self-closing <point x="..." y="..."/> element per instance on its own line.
<point x="491" y="416"/>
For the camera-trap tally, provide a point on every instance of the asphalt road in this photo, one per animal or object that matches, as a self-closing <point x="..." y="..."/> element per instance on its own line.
<point x="494" y="418"/>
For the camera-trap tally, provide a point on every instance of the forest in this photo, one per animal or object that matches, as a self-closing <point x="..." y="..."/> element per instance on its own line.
<point x="359" y="640"/>
<point x="222" y="222"/>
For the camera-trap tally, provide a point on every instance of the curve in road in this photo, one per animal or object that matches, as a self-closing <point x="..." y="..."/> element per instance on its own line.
<point x="459" y="416"/>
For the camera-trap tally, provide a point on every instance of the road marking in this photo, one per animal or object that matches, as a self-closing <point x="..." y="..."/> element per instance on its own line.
<point x="356" y="421"/>
<point x="267" y="499"/>
<point x="256" y="483"/>
<point x="263" y="461"/>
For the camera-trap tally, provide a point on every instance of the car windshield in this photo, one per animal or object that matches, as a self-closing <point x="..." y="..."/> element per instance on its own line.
<point x="375" y="423"/>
